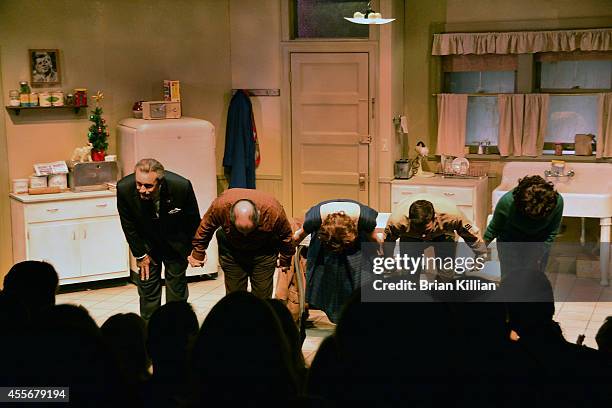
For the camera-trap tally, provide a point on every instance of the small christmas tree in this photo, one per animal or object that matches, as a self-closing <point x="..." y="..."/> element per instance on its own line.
<point x="98" y="134"/>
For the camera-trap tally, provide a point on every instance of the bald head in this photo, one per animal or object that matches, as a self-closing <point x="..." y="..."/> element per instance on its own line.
<point x="244" y="216"/>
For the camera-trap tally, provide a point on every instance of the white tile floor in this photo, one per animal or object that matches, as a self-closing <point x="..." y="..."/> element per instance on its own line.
<point x="575" y="317"/>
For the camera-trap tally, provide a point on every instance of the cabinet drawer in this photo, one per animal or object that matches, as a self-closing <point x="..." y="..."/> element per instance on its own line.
<point x="460" y="196"/>
<point x="399" y="193"/>
<point x="63" y="210"/>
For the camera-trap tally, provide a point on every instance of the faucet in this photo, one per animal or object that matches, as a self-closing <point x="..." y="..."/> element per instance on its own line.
<point x="557" y="173"/>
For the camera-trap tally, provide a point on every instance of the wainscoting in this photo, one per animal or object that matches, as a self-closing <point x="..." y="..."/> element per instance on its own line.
<point x="268" y="183"/>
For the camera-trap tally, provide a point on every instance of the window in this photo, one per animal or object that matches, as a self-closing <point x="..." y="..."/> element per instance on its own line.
<point x="569" y="115"/>
<point x="482" y="121"/>
<point x="325" y="19"/>
<point x="569" y="77"/>
<point x="576" y="75"/>
<point x="480" y="82"/>
<point x="481" y="74"/>
<point x="577" y="71"/>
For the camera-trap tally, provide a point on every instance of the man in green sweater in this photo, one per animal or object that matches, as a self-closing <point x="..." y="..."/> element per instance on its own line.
<point x="531" y="212"/>
<point x="525" y="222"/>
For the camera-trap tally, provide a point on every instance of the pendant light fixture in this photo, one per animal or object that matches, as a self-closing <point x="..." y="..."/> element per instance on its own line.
<point x="368" y="16"/>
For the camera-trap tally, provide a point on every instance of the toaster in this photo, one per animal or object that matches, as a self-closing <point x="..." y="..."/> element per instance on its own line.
<point x="161" y="110"/>
<point x="91" y="176"/>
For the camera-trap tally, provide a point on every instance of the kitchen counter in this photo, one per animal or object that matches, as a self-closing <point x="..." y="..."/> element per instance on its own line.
<point x="68" y="195"/>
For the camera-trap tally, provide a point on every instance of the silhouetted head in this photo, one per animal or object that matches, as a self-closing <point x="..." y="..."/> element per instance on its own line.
<point x="338" y="232"/>
<point x="535" y="197"/>
<point x="604" y="336"/>
<point x="244" y="216"/>
<point x="241" y="354"/>
<point x="125" y="334"/>
<point x="531" y="318"/>
<point x="34" y="283"/>
<point x="421" y="215"/>
<point x="149" y="174"/>
<point x="171" y="331"/>
<point x="69" y="349"/>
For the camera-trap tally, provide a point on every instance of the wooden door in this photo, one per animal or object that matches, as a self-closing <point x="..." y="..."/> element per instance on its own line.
<point x="330" y="129"/>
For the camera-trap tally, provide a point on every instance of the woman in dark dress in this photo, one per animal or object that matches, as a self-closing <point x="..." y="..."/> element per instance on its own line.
<point x="333" y="265"/>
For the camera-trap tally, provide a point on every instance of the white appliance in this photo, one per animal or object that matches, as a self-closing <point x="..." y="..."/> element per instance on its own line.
<point x="185" y="146"/>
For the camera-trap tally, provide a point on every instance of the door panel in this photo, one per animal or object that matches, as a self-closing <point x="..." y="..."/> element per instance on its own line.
<point x="102" y="245"/>
<point x="329" y="128"/>
<point x="56" y="242"/>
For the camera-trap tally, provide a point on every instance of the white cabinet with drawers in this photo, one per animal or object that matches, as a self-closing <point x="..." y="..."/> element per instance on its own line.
<point x="470" y="195"/>
<point x="79" y="233"/>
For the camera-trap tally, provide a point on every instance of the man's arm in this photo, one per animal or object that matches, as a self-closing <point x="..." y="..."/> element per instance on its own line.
<point x="192" y="211"/>
<point x="138" y="245"/>
<point x="498" y="221"/>
<point x="209" y="224"/>
<point x="470" y="234"/>
<point x="555" y="224"/>
<point x="286" y="248"/>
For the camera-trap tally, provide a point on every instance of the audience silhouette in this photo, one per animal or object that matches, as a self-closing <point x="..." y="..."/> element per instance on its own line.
<point x="248" y="353"/>
<point x="172" y="331"/>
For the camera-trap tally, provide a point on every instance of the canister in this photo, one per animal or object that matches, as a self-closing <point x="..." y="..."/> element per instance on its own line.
<point x="80" y="97"/>
<point x="58" y="180"/>
<point x="14" y="98"/>
<point x="44" y="99"/>
<point x="57" y="98"/>
<point x="20" y="186"/>
<point x="38" y="181"/>
<point x="33" y="99"/>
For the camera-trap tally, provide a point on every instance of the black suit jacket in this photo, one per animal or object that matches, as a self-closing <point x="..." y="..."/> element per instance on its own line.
<point x="179" y="217"/>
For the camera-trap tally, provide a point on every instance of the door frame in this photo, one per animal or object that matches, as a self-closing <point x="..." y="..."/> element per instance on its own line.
<point x="289" y="47"/>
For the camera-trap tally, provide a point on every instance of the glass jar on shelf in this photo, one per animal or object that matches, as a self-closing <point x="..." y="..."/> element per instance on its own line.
<point x="14" y="98"/>
<point x="24" y="93"/>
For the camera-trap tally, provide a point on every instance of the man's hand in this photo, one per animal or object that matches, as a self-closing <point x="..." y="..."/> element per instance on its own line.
<point x="195" y="262"/>
<point x="143" y="266"/>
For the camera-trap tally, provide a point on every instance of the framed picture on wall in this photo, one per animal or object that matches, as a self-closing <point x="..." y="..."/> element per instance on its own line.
<point x="44" y="67"/>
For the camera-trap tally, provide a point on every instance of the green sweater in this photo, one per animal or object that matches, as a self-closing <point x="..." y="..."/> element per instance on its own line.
<point x="508" y="225"/>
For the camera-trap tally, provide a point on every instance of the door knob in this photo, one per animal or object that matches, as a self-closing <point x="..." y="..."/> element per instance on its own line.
<point x="362" y="182"/>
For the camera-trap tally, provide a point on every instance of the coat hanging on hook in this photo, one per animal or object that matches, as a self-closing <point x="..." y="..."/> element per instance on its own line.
<point x="241" y="155"/>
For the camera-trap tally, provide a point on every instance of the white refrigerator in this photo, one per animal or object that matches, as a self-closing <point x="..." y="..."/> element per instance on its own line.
<point x="185" y="146"/>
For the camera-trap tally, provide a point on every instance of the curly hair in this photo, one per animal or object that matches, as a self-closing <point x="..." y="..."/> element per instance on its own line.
<point x="535" y="197"/>
<point x="338" y="232"/>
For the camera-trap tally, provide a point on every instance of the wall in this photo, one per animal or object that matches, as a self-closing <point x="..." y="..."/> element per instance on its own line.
<point x="255" y="27"/>
<point x="6" y="255"/>
<point x="470" y="11"/>
<point x="123" y="48"/>
<point x="421" y="72"/>
<point x="390" y="96"/>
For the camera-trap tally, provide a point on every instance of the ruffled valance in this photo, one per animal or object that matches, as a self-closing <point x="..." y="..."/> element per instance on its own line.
<point x="522" y="42"/>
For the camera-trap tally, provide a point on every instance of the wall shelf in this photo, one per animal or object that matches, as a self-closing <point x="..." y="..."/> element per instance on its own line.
<point x="18" y="109"/>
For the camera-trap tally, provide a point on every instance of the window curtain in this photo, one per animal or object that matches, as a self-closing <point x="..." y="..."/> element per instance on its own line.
<point x="534" y="125"/>
<point x="510" y="109"/>
<point x="522" y="42"/>
<point x="452" y="118"/>
<point x="604" y="128"/>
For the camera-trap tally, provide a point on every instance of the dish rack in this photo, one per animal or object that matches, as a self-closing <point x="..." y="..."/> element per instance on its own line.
<point x="476" y="170"/>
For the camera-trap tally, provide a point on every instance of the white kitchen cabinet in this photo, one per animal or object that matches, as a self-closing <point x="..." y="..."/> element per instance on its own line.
<point x="470" y="195"/>
<point x="79" y="233"/>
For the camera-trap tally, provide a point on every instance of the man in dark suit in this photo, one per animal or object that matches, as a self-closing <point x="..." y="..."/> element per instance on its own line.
<point x="159" y="215"/>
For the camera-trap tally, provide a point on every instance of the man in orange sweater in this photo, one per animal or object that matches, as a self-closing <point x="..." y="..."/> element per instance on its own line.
<point x="254" y="237"/>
